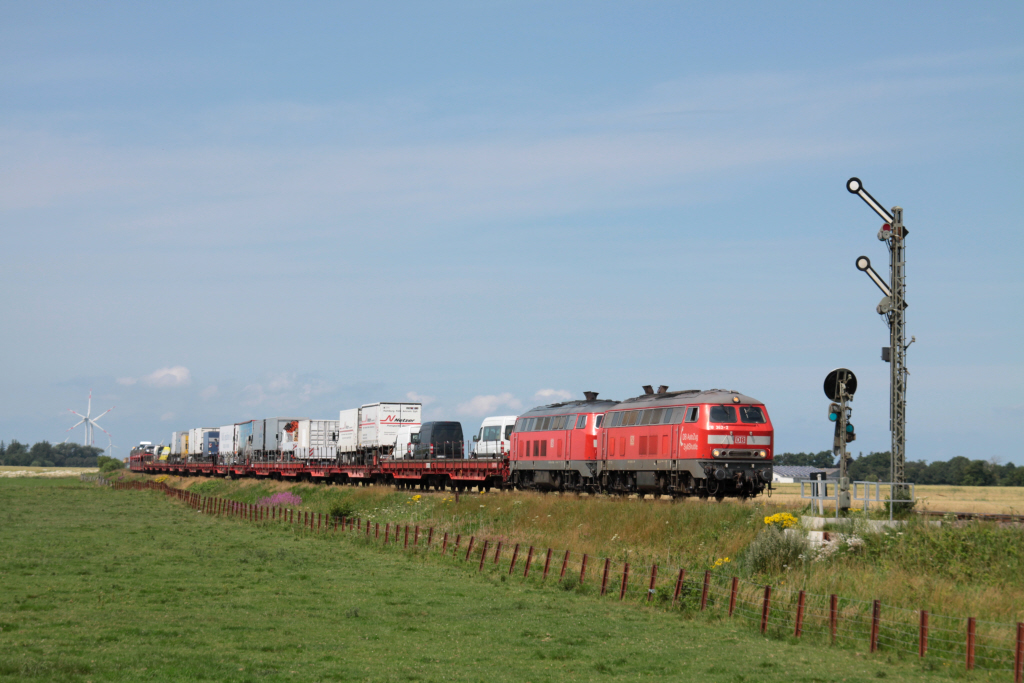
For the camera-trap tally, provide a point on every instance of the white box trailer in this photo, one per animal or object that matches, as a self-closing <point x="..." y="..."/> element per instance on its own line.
<point x="176" y="443"/>
<point x="280" y="435"/>
<point x="376" y="426"/>
<point x="226" y="447"/>
<point x="317" y="440"/>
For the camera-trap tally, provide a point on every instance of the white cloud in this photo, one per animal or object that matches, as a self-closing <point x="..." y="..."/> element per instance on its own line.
<point x="167" y="416"/>
<point x="178" y="376"/>
<point x="420" y="398"/>
<point x="283" y="391"/>
<point x="126" y="381"/>
<point x="209" y="392"/>
<point x="552" y="395"/>
<point x="486" y="405"/>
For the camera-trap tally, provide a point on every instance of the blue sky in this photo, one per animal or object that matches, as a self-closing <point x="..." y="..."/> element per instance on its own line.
<point x="220" y="211"/>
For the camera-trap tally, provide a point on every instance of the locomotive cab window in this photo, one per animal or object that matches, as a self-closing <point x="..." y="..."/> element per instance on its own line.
<point x="751" y="415"/>
<point x="722" y="414"/>
<point x="581" y="422"/>
<point x="597" y="422"/>
<point x="692" y="413"/>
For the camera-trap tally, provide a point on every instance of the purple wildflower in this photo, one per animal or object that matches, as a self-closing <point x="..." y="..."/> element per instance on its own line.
<point x="282" y="498"/>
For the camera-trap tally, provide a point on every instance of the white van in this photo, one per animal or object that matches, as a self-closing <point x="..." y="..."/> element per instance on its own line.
<point x="494" y="437"/>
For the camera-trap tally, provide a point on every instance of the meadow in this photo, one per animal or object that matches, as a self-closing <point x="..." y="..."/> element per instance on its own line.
<point x="964" y="569"/>
<point x="14" y="471"/>
<point x="105" y="585"/>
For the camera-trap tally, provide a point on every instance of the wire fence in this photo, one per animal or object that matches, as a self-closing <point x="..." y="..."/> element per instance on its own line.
<point x="776" y="611"/>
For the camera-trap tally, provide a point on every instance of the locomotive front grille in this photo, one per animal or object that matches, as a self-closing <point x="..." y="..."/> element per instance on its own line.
<point x="752" y="453"/>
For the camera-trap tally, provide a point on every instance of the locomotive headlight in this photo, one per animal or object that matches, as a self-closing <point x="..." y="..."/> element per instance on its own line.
<point x="735" y="399"/>
<point x="715" y="453"/>
<point x="763" y="454"/>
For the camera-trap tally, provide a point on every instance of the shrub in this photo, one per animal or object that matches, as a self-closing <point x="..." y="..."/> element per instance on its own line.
<point x="109" y="464"/>
<point x="773" y="550"/>
<point x="342" y="508"/>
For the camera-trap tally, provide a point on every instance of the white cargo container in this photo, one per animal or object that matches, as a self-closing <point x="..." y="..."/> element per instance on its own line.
<point x="375" y="426"/>
<point x="176" y="443"/>
<point x="318" y="440"/>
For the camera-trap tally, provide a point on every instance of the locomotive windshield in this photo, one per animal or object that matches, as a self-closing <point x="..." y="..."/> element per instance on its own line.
<point x="722" y="414"/>
<point x="751" y="415"/>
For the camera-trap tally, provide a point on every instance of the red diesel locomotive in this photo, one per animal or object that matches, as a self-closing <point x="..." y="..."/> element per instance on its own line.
<point x="703" y="443"/>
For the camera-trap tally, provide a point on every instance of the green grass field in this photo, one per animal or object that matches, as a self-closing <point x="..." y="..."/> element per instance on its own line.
<point x="104" y="585"/>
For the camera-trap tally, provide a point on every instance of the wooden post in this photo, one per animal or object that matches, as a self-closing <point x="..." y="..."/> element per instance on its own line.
<point x="654" y="577"/>
<point x="483" y="555"/>
<point x="766" y="608"/>
<point x="406" y="536"/>
<point x="430" y="536"/>
<point x="469" y="547"/>
<point x="515" y="556"/>
<point x="876" y="616"/>
<point x="604" y="575"/>
<point x="970" y="643"/>
<point x="444" y="543"/>
<point x="922" y="635"/>
<point x="583" y="568"/>
<point x="732" y="595"/>
<point x="367" y="525"/>
<point x="706" y="589"/>
<point x="458" y="539"/>
<point x="547" y="565"/>
<point x="497" y="553"/>
<point x="387" y="532"/>
<point x="799" y="626"/>
<point x="376" y="529"/>
<point x="833" y="616"/>
<point x="529" y="558"/>
<point x="1018" y="660"/>
<point x="679" y="585"/>
<point x="625" y="580"/>
<point x="565" y="563"/>
<point x="416" y="537"/>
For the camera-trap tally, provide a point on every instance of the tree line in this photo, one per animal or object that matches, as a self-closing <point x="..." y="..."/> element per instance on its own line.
<point x="45" y="454"/>
<point x="958" y="471"/>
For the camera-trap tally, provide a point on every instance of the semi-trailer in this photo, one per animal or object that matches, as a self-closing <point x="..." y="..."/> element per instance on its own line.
<point x="370" y="431"/>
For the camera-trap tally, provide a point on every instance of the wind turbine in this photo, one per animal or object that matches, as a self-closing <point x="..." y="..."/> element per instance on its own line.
<point x="89" y="422"/>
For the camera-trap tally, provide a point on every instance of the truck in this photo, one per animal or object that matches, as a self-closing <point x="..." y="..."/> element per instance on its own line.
<point x="494" y="439"/>
<point x="226" y="446"/>
<point x="370" y="431"/>
<point x="280" y="436"/>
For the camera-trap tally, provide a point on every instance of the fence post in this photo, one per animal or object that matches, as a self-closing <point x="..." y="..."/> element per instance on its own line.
<point x="679" y="585"/>
<point x="565" y="563"/>
<point x="732" y="594"/>
<point x="654" y="577"/>
<point x="430" y="536"/>
<point x="367" y="527"/>
<point x="458" y="538"/>
<point x="483" y="555"/>
<point x="469" y="547"/>
<point x="376" y="529"/>
<point x="799" y="627"/>
<point x="515" y="556"/>
<point x="876" y="616"/>
<point x="583" y="568"/>
<point x="497" y="553"/>
<point x="444" y="544"/>
<point x="1018" y="661"/>
<point x="529" y="558"/>
<point x="547" y="564"/>
<point x="406" y="536"/>
<point x="833" y="616"/>
<point x="387" y="532"/>
<point x="604" y="576"/>
<point x="704" y="592"/>
<point x="970" y="643"/>
<point x="922" y="635"/>
<point x="766" y="608"/>
<point x="416" y="537"/>
<point x="625" y="580"/>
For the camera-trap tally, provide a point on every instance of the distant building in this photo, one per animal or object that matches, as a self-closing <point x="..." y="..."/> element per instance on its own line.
<point x="787" y="474"/>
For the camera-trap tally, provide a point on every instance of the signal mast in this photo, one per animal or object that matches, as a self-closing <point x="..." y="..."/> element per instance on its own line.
<point x="893" y="307"/>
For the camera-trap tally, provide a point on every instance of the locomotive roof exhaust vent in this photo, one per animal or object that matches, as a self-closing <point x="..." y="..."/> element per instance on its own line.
<point x="663" y="389"/>
<point x="591" y="396"/>
<point x="648" y="389"/>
